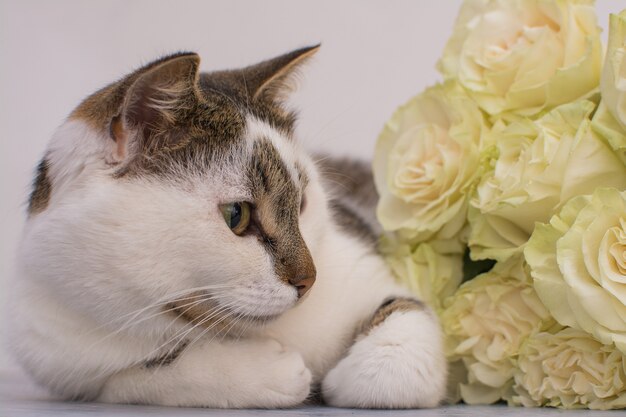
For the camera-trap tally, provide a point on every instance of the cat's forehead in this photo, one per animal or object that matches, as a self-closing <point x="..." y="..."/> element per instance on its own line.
<point x="226" y="135"/>
<point x="273" y="151"/>
<point x="252" y="159"/>
<point x="241" y="151"/>
<point x="249" y="140"/>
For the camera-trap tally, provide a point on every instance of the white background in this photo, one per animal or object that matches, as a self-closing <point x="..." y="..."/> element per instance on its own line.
<point x="374" y="56"/>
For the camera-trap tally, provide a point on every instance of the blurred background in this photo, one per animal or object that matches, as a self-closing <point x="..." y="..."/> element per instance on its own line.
<point x="375" y="55"/>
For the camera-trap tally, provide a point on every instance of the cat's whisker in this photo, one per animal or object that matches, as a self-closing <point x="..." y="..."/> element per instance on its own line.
<point x="327" y="178"/>
<point x="344" y="187"/>
<point x="93" y="345"/>
<point x="324" y="127"/>
<point x="175" y="297"/>
<point x="129" y="323"/>
<point x="245" y="84"/>
<point x="248" y="321"/>
<point x="214" y="295"/>
<point x="228" y="314"/>
<point x="181" y="334"/>
<point x="246" y="325"/>
<point x="174" y="348"/>
<point x="321" y="159"/>
<point x="204" y="332"/>
<point x="174" y="309"/>
<point x="238" y="318"/>
<point x="233" y="323"/>
<point x="206" y="298"/>
<point x="164" y="300"/>
<point x="224" y="331"/>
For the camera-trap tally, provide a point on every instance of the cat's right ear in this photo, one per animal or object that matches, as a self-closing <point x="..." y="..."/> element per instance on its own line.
<point x="154" y="102"/>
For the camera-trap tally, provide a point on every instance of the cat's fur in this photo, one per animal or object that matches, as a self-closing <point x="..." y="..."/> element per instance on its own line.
<point x="132" y="288"/>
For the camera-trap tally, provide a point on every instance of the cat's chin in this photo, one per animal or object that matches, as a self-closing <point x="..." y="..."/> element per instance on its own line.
<point x="263" y="319"/>
<point x="258" y="320"/>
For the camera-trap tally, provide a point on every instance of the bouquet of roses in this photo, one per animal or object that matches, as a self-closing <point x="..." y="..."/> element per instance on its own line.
<point x="503" y="197"/>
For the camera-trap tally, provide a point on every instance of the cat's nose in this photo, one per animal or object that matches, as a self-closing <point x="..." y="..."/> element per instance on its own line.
<point x="302" y="282"/>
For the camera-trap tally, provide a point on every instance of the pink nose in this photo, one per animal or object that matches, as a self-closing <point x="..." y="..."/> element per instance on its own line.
<point x="303" y="283"/>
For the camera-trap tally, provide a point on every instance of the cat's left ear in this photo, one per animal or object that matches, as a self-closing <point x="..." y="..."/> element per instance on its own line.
<point x="274" y="79"/>
<point x="154" y="102"/>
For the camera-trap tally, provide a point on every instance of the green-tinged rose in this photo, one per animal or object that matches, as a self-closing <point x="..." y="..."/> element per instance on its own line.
<point x="613" y="82"/>
<point x="610" y="119"/>
<point x="485" y="323"/>
<point x="430" y="273"/>
<point x="570" y="369"/>
<point x="607" y="128"/>
<point x="578" y="265"/>
<point x="540" y="165"/>
<point x="426" y="159"/>
<point x="524" y="56"/>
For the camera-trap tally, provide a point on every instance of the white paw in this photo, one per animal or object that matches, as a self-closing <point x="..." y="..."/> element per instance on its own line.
<point x="398" y="364"/>
<point x="276" y="377"/>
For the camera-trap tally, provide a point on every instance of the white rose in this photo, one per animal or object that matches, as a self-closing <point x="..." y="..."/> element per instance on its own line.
<point x="578" y="265"/>
<point x="426" y="160"/>
<point x="485" y="323"/>
<point x="613" y="82"/>
<point x="524" y="56"/>
<point x="431" y="273"/>
<point x="609" y="130"/>
<point x="541" y="164"/>
<point x="570" y="369"/>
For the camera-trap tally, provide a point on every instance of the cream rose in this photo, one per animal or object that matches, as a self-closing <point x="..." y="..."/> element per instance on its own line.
<point x="524" y="56"/>
<point x="426" y="160"/>
<point x="432" y="273"/>
<point x="607" y="128"/>
<point x="540" y="165"/>
<point x="578" y="264"/>
<point x="613" y="82"/>
<point x="485" y="323"/>
<point x="570" y="369"/>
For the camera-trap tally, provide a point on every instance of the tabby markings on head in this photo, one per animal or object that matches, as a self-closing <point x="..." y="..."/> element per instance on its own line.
<point x="175" y="116"/>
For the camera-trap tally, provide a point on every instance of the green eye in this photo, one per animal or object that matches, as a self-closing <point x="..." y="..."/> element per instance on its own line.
<point x="237" y="216"/>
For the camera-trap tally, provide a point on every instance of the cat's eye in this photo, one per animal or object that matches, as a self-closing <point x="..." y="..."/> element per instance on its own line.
<point x="237" y="216"/>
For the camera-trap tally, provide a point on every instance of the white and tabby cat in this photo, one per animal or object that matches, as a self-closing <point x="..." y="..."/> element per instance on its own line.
<point x="181" y="250"/>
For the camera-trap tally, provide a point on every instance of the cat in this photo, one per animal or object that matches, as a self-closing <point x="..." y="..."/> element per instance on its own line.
<point x="181" y="249"/>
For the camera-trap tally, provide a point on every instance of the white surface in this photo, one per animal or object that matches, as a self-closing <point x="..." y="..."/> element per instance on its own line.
<point x="374" y="56"/>
<point x="20" y="399"/>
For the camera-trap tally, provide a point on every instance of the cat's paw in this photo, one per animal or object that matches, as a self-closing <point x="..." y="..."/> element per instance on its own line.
<point x="277" y="377"/>
<point x="397" y="364"/>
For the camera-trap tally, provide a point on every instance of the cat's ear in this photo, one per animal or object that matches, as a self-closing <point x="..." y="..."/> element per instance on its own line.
<point x="156" y="94"/>
<point x="154" y="100"/>
<point x="274" y="79"/>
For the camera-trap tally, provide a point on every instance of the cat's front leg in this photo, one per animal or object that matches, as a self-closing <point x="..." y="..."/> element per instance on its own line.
<point x="396" y="362"/>
<point x="257" y="373"/>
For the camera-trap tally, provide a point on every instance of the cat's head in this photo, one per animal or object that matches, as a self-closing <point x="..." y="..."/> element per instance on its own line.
<point x="182" y="188"/>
